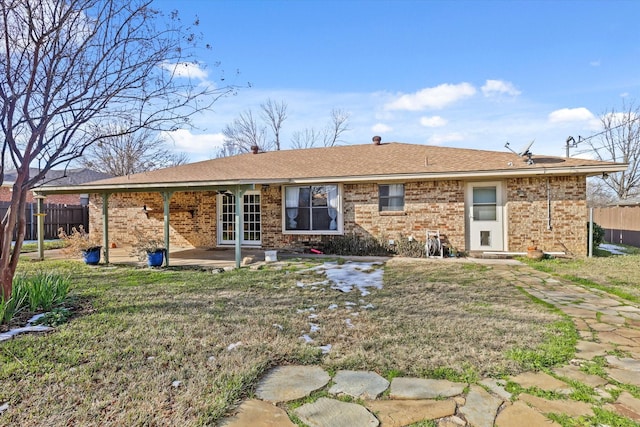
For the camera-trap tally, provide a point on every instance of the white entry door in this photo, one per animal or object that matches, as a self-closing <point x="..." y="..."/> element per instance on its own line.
<point x="485" y="213"/>
<point x="250" y="219"/>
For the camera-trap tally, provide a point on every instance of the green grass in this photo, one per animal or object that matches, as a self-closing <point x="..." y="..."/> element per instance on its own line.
<point x="135" y="331"/>
<point x="33" y="247"/>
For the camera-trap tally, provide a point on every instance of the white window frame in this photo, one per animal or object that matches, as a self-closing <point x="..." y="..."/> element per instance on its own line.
<point x="404" y="197"/>
<point x="339" y="220"/>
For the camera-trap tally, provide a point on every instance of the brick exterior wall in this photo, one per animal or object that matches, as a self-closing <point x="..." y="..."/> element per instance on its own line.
<point x="429" y="205"/>
<point x="193" y="217"/>
<point x="527" y="212"/>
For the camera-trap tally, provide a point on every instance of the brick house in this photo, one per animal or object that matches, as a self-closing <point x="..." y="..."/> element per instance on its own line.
<point x="480" y="200"/>
<point x="57" y="178"/>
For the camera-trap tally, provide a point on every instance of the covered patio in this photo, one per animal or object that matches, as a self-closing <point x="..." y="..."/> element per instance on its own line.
<point x="214" y="258"/>
<point x="184" y="256"/>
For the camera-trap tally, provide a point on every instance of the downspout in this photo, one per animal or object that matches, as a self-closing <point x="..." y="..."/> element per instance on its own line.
<point x="40" y="215"/>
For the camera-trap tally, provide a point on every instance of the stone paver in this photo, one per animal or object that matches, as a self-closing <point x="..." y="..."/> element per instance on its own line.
<point x="480" y="408"/>
<point x="625" y="363"/>
<point x="397" y="413"/>
<point x="514" y="416"/>
<point x="574" y="373"/>
<point x="624" y="376"/>
<point x="256" y="413"/>
<point x="542" y="381"/>
<point x="286" y="383"/>
<point x="418" y="388"/>
<point x="326" y="412"/>
<point x="569" y="407"/>
<point x="587" y="350"/>
<point x="496" y="388"/>
<point x="613" y="338"/>
<point x="626" y="405"/>
<point x="359" y="384"/>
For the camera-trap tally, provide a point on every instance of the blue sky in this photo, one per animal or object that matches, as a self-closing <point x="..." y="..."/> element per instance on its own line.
<point x="472" y="74"/>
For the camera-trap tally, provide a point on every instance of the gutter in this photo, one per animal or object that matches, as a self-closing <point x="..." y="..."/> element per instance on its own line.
<point x="224" y="184"/>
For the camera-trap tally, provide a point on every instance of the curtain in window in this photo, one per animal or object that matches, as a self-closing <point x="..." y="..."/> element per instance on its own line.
<point x="396" y="196"/>
<point x="332" y="202"/>
<point x="292" y="195"/>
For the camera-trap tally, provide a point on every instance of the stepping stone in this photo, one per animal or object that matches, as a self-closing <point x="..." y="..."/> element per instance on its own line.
<point x="326" y="412"/>
<point x="418" y="388"/>
<point x="542" y="381"/>
<point x="574" y="373"/>
<point x="612" y="337"/>
<point x="568" y="407"/>
<point x="587" y="350"/>
<point x="513" y="416"/>
<point x="496" y="388"/>
<point x="628" y="333"/>
<point x="480" y="408"/>
<point x="256" y="413"/>
<point x="626" y="405"/>
<point x="581" y="325"/>
<point x="286" y="383"/>
<point x="359" y="384"/>
<point x="628" y="309"/>
<point x="625" y="363"/>
<point x="397" y="413"/>
<point x="613" y="319"/>
<point x="624" y="376"/>
<point x="602" y="327"/>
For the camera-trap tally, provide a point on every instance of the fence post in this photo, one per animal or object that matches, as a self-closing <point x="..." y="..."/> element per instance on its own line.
<point x="590" y="232"/>
<point x="40" y="215"/>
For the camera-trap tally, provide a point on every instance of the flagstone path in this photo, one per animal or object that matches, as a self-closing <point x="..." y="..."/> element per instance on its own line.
<point x="607" y="326"/>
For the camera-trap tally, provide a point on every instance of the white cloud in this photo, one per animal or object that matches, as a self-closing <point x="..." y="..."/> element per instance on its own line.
<point x="381" y="128"/>
<point x="433" y="121"/>
<point x="201" y="145"/>
<point x="565" y="115"/>
<point x="444" y="138"/>
<point x="432" y="97"/>
<point x="499" y="87"/>
<point x="185" y="69"/>
<point x="595" y="63"/>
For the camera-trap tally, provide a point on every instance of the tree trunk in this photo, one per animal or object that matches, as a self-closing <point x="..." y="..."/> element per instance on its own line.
<point x="15" y="216"/>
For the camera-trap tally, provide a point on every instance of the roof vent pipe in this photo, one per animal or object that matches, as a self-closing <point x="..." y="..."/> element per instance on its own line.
<point x="377" y="140"/>
<point x="255" y="149"/>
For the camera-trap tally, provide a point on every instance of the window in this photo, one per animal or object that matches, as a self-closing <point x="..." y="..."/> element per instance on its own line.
<point x="484" y="203"/>
<point x="391" y="197"/>
<point x="313" y="208"/>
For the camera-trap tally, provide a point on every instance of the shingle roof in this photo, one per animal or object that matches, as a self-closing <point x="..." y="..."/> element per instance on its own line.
<point x="56" y="177"/>
<point x="356" y="162"/>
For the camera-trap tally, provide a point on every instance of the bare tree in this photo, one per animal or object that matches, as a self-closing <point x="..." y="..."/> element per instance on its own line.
<point x="242" y="134"/>
<point x="274" y="114"/>
<point x="127" y="154"/>
<point x="329" y="136"/>
<point x="599" y="193"/>
<point x="68" y="69"/>
<point x="620" y="142"/>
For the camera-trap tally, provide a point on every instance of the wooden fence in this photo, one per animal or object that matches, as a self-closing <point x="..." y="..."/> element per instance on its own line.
<point x="65" y="216"/>
<point x="621" y="223"/>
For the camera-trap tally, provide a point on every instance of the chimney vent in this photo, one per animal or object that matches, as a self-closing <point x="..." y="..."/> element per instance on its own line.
<point x="255" y="149"/>
<point x="377" y="140"/>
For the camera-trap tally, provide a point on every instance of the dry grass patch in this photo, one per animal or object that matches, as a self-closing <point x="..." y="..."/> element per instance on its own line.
<point x="181" y="347"/>
<point x="618" y="275"/>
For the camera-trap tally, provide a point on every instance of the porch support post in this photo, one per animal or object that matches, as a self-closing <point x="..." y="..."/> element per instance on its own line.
<point x="40" y="215"/>
<point x="105" y="226"/>
<point x="166" y="197"/>
<point x="238" y="196"/>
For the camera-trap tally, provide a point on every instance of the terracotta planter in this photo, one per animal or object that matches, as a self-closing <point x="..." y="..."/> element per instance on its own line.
<point x="535" y="253"/>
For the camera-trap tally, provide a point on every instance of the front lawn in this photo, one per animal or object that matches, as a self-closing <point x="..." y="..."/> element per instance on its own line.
<point x="181" y="347"/>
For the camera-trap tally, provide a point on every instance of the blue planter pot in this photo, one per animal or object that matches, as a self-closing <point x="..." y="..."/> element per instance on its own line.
<point x="154" y="259"/>
<point x="92" y="256"/>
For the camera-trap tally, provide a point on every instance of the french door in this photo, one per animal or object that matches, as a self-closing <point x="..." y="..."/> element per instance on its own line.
<point x="250" y="219"/>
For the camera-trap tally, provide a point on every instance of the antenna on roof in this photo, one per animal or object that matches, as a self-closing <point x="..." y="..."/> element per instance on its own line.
<point x="524" y="152"/>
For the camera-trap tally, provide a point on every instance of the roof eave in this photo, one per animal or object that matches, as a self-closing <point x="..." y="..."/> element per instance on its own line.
<point x="219" y="185"/>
